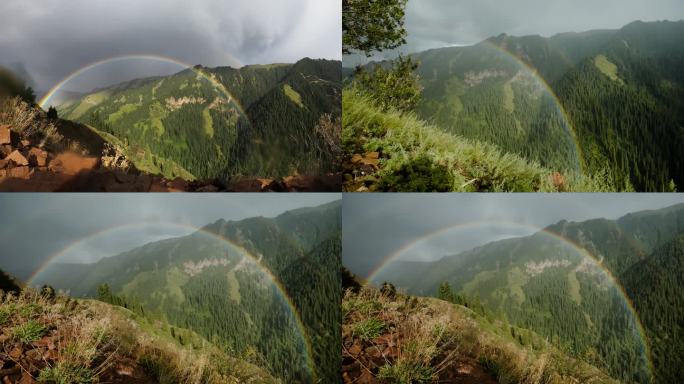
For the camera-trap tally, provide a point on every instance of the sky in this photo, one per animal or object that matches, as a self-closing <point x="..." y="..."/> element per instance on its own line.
<point x="377" y="225"/>
<point x="441" y="23"/>
<point x="34" y="227"/>
<point x="50" y="39"/>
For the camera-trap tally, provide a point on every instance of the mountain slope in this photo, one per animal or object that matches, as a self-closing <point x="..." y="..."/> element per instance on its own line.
<point x="393" y="338"/>
<point x="604" y="102"/>
<point x="62" y="340"/>
<point x="230" y="293"/>
<point x="545" y="283"/>
<point x="218" y="123"/>
<point x="393" y="151"/>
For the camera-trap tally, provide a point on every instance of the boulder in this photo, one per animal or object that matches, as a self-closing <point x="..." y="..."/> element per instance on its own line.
<point x="17" y="158"/>
<point x="5" y="134"/>
<point x="4" y="163"/>
<point x="37" y="157"/>
<point x="5" y="150"/>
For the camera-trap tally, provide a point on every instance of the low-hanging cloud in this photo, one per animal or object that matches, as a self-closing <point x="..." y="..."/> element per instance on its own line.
<point x="52" y="39"/>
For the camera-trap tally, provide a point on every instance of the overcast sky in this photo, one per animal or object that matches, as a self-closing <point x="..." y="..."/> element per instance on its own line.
<point x="53" y="38"/>
<point x="36" y="226"/>
<point x="376" y="225"/>
<point x="440" y="23"/>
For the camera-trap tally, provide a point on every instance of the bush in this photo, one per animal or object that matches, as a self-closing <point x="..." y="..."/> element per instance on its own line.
<point x="369" y="329"/>
<point x="29" y="331"/>
<point x="394" y="88"/>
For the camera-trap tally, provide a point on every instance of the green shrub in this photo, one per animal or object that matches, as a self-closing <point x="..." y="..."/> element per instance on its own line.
<point x="65" y="373"/>
<point x="369" y="329"/>
<point x="29" y="331"/>
<point x="406" y="373"/>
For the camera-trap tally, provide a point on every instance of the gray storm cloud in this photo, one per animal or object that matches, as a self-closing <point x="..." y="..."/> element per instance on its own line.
<point x="52" y="39"/>
<point x="440" y="23"/>
<point x="376" y="226"/>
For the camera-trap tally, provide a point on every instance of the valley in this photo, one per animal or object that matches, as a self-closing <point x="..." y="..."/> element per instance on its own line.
<point x="600" y="104"/>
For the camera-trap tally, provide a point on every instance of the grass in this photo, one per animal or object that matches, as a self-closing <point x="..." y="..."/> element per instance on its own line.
<point x="607" y="68"/>
<point x="293" y="95"/>
<point x="369" y="329"/>
<point x="434" y="337"/>
<point x="93" y="338"/>
<point x="417" y="157"/>
<point x="207" y="122"/>
<point x="29" y="331"/>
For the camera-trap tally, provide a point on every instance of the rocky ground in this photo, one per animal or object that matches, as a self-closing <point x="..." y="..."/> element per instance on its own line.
<point x="26" y="166"/>
<point x="38" y="343"/>
<point x="399" y="340"/>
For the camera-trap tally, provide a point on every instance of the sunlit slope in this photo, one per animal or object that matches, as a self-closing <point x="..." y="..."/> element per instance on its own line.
<point x="216" y="123"/>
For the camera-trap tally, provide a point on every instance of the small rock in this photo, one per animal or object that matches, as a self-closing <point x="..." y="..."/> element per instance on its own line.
<point x="373" y="155"/>
<point x="25" y="143"/>
<point x="15" y="353"/>
<point x="19" y="172"/>
<point x="5" y="134"/>
<point x="26" y="379"/>
<point x="5" y="150"/>
<point x="356" y="158"/>
<point x="355" y="349"/>
<point x="362" y="189"/>
<point x="17" y="158"/>
<point x="37" y="157"/>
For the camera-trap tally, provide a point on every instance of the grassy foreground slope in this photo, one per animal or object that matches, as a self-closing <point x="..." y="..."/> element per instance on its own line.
<point x="395" y="338"/>
<point x="393" y="151"/>
<point x="63" y="340"/>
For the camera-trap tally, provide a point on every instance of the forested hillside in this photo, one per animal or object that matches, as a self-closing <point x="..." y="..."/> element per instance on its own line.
<point x="587" y="287"/>
<point x="607" y="103"/>
<point x="221" y="123"/>
<point x="270" y="296"/>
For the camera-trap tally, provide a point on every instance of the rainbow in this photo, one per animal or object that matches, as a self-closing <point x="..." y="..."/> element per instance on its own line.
<point x="43" y="103"/>
<point x="194" y="230"/>
<point x="543" y="83"/>
<point x="583" y="252"/>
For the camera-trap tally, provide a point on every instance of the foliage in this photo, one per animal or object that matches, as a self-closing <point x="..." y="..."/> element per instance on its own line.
<point x="397" y="88"/>
<point x="369" y="329"/>
<point x="29" y="331"/>
<point x="26" y="120"/>
<point x="605" y="103"/>
<point x="435" y="337"/>
<point x="222" y="123"/>
<point x="372" y="25"/>
<point x="234" y="304"/>
<point x="409" y="146"/>
<point x="538" y="283"/>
